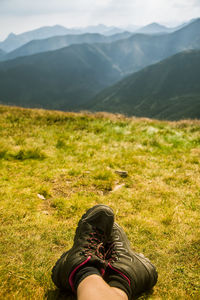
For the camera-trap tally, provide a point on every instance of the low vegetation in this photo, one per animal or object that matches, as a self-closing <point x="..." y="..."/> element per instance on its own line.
<point x="55" y="165"/>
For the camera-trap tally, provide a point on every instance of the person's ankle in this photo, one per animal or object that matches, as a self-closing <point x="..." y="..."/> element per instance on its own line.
<point x="120" y="293"/>
<point x="84" y="273"/>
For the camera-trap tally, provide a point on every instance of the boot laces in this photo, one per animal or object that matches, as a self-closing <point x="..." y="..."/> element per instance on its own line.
<point x="95" y="244"/>
<point x="115" y="249"/>
<point x="111" y="252"/>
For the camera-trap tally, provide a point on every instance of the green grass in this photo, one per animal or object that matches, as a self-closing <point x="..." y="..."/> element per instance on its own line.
<point x="71" y="160"/>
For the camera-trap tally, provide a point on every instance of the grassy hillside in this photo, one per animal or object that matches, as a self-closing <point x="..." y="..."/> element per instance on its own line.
<point x="71" y="160"/>
<point x="167" y="90"/>
<point x="61" y="79"/>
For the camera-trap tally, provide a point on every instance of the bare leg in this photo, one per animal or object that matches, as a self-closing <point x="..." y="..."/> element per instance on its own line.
<point x="94" y="287"/>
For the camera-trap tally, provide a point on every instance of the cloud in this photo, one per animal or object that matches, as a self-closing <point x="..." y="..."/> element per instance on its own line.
<point x="131" y="9"/>
<point x="134" y="8"/>
<point x="23" y="15"/>
<point x="141" y="12"/>
<point x="29" y="7"/>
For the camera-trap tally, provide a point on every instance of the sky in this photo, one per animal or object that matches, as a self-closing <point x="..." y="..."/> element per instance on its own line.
<point x="19" y="16"/>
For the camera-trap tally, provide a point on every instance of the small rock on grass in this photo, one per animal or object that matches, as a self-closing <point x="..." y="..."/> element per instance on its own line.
<point x="41" y="197"/>
<point x="119" y="186"/>
<point x="122" y="173"/>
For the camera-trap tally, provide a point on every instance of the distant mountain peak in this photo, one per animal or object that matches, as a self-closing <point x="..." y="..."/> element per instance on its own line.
<point x="153" y="28"/>
<point x="160" y="25"/>
<point x="11" y="35"/>
<point x="155" y="24"/>
<point x="57" y="26"/>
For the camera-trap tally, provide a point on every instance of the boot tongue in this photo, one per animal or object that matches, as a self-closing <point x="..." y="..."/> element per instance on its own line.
<point x="99" y="223"/>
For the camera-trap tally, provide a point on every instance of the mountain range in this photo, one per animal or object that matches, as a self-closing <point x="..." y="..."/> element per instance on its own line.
<point x="58" y="42"/>
<point x="14" y="41"/>
<point x="156" y="28"/>
<point x="167" y="90"/>
<point x="139" y="50"/>
<point x="73" y="77"/>
<point x="133" y="53"/>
